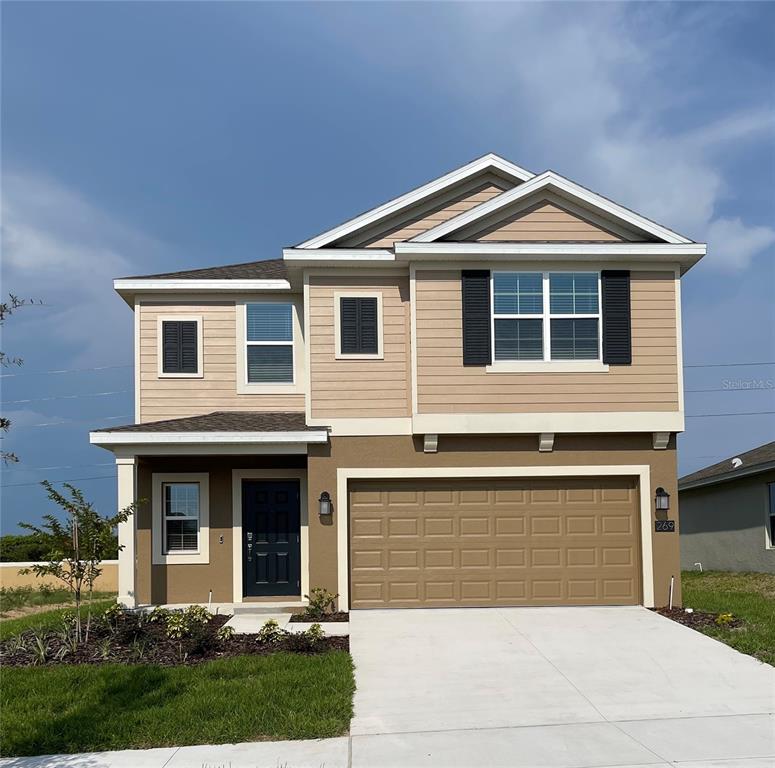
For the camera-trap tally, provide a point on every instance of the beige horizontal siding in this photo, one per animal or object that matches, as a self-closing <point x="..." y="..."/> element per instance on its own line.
<point x="544" y="221"/>
<point x="444" y="385"/>
<point x="426" y="217"/>
<point x="172" y="398"/>
<point x="359" y="388"/>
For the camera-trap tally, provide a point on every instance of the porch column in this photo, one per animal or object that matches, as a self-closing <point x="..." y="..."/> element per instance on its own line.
<point x="126" y="471"/>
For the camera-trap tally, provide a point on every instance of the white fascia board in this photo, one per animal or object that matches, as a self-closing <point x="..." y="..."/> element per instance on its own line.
<point x="490" y="161"/>
<point x="332" y="257"/>
<point x="557" y="422"/>
<point x="158" y="284"/>
<point x="208" y="438"/>
<point x="685" y="254"/>
<point x="549" y="179"/>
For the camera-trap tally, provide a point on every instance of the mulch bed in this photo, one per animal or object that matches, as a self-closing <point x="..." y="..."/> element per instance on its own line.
<point x="339" y="616"/>
<point x="132" y="639"/>
<point x="697" y="619"/>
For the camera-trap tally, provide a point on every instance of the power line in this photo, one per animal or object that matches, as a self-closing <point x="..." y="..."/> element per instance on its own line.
<point x="67" y="397"/>
<point x="66" y="480"/>
<point x="61" y="466"/>
<point x="712" y="415"/>
<point x="726" y="365"/>
<point x="732" y="389"/>
<point x="68" y="422"/>
<point x="63" y="370"/>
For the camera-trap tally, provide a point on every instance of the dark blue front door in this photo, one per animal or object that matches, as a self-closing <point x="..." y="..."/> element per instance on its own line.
<point x="270" y="537"/>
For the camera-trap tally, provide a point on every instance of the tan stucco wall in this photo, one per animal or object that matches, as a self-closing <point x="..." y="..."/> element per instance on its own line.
<point x="724" y="526"/>
<point x="192" y="583"/>
<point x="462" y="451"/>
<point x="10" y="577"/>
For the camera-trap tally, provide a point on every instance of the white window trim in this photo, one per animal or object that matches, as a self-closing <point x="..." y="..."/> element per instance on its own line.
<point x="338" y="354"/>
<point x="164" y="318"/>
<point x="159" y="557"/>
<point x="244" y="387"/>
<point x="546" y="316"/>
<point x="768" y="542"/>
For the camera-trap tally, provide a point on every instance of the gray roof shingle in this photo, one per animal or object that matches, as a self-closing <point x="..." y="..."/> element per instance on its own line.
<point x="225" y="421"/>
<point x="761" y="457"/>
<point x="266" y="269"/>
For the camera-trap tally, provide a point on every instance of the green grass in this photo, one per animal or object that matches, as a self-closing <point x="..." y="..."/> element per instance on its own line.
<point x="14" y="598"/>
<point x="47" y="620"/>
<point x="46" y="710"/>
<point x="749" y="596"/>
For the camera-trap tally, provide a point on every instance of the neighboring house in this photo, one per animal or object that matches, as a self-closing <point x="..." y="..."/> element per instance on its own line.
<point x="728" y="514"/>
<point x="467" y="396"/>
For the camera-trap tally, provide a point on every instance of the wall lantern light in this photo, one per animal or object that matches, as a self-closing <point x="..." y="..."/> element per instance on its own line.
<point x="326" y="507"/>
<point x="662" y="500"/>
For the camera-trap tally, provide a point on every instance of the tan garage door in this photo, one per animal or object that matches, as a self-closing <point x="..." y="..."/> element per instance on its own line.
<point x="481" y="542"/>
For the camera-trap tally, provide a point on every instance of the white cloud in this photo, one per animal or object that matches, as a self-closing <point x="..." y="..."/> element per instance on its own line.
<point x="64" y="251"/>
<point x="732" y="245"/>
<point x="595" y="92"/>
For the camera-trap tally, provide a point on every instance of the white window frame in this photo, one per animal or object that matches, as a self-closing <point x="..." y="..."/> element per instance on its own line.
<point x="244" y="387"/>
<point x="202" y="554"/>
<point x="768" y="542"/>
<point x="164" y="318"/>
<point x="338" y="354"/>
<point x="546" y="316"/>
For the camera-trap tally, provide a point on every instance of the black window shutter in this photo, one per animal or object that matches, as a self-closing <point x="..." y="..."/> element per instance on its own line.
<point x="617" y="334"/>
<point x="476" y="317"/>
<point x="358" y="330"/>
<point x="179" y="346"/>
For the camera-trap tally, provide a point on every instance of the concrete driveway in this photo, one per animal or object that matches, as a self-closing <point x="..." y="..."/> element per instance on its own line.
<point x="555" y="687"/>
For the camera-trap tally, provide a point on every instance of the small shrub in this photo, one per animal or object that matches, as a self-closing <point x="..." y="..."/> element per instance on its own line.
<point x="321" y="602"/>
<point x="112" y="614"/>
<point x="270" y="633"/>
<point x="724" y="619"/>
<point x="159" y="614"/>
<point x="40" y="649"/>
<point x="197" y="614"/>
<point x="307" y="641"/>
<point x="225" y="633"/>
<point x="177" y="626"/>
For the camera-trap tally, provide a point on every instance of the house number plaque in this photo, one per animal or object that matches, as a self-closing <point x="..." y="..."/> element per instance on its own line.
<point x="664" y="526"/>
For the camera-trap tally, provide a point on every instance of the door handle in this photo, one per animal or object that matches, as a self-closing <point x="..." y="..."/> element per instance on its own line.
<point x="250" y="545"/>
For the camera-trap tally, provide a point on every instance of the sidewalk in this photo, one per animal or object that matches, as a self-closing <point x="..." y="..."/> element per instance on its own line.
<point x="323" y="753"/>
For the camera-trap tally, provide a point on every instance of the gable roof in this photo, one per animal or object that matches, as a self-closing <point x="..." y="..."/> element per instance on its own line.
<point x="754" y="461"/>
<point x="549" y="180"/>
<point x="489" y="162"/>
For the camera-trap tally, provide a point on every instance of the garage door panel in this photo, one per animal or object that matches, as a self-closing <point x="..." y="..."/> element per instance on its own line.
<point x="494" y="542"/>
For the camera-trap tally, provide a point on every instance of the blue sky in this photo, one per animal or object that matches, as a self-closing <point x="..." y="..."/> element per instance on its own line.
<point x="140" y="138"/>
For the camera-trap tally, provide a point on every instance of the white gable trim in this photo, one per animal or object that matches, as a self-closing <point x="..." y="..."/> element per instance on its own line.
<point x="488" y="162"/>
<point x="549" y="179"/>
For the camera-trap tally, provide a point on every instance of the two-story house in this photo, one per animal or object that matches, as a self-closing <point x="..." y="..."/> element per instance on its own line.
<point x="467" y="396"/>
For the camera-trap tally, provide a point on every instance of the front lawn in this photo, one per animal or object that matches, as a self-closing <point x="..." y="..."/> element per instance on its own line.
<point x="46" y="621"/>
<point x="86" y="708"/>
<point x="747" y="596"/>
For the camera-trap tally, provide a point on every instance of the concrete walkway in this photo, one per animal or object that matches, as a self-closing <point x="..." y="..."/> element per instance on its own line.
<point x="520" y="688"/>
<point x="554" y="687"/>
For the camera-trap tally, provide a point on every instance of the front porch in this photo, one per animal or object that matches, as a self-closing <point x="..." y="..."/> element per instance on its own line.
<point x="224" y="511"/>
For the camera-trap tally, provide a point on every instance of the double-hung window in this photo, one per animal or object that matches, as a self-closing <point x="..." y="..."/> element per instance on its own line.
<point x="546" y="316"/>
<point x="269" y="343"/>
<point x="180" y="510"/>
<point x="180" y="532"/>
